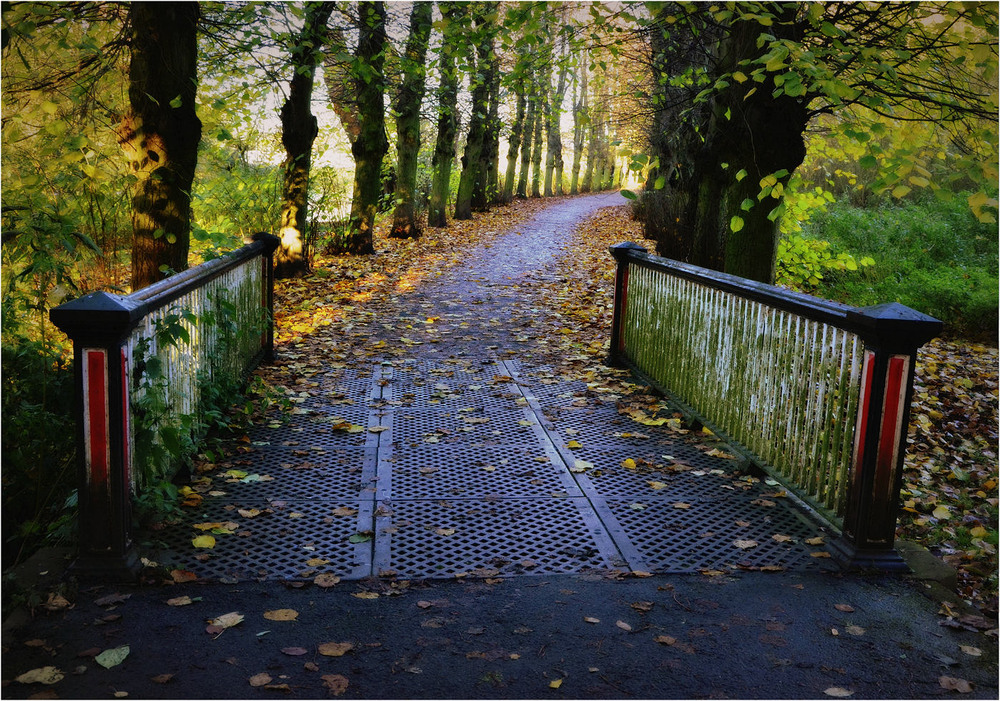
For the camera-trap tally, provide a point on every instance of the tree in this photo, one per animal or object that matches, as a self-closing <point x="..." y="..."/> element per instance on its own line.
<point x="580" y="120"/>
<point x="407" y="109"/>
<point x="530" y="120"/>
<point x="160" y="135"/>
<point x="481" y="66"/>
<point x="298" y="131"/>
<point x="514" y="141"/>
<point x="764" y="71"/>
<point x="553" y="115"/>
<point x="453" y="15"/>
<point x="357" y="95"/>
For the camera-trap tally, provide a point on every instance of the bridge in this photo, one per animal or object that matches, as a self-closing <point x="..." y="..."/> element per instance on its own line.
<point x="758" y="430"/>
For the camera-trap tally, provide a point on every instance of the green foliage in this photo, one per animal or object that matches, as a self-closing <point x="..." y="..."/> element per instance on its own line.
<point x="802" y="263"/>
<point x="931" y="255"/>
<point x="38" y="446"/>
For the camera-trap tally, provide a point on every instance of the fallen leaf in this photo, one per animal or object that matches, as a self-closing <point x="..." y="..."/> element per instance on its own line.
<point x="249" y="513"/>
<point x="745" y="544"/>
<point x="820" y="554"/>
<point x="838" y="692"/>
<point x="227" y="620"/>
<point x="261" y="679"/>
<point x="855" y="630"/>
<point x="681" y="505"/>
<point x="962" y="686"/>
<point x="365" y="595"/>
<point x="555" y="683"/>
<point x="203" y="541"/>
<point x="180" y="601"/>
<point x="846" y="608"/>
<point x="970" y="650"/>
<point x="665" y="639"/>
<point x="782" y="538"/>
<point x="624" y="626"/>
<point x="161" y="678"/>
<point x="112" y="599"/>
<point x="629" y="464"/>
<point x="345" y="511"/>
<point x="181" y="576"/>
<point x="644" y="606"/>
<point x="281" y="615"/>
<point x="112" y="657"/>
<point x="591" y="619"/>
<point x="42" y="675"/>
<point x="574" y="444"/>
<point x="326" y="580"/>
<point x="655" y="484"/>
<point x="818" y="540"/>
<point x="581" y="466"/>
<point x="445" y="531"/>
<point x="336" y="683"/>
<point x="335" y="649"/>
<point x="295" y="651"/>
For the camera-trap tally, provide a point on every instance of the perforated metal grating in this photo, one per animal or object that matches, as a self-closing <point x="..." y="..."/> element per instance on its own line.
<point x="704" y="535"/>
<point x="511" y="536"/>
<point x="440" y="469"/>
<point x="276" y="541"/>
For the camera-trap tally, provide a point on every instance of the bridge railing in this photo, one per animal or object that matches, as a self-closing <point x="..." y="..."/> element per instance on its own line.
<point x="814" y="392"/>
<point x="156" y="351"/>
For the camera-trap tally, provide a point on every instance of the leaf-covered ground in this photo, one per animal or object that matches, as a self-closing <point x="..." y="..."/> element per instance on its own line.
<point x="950" y="491"/>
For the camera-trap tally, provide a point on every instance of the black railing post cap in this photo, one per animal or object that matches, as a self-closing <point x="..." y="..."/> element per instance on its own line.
<point x="620" y="250"/>
<point x="896" y="324"/>
<point x="96" y="316"/>
<point x="271" y="242"/>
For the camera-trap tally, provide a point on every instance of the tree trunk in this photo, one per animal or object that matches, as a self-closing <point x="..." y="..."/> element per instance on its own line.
<point x="407" y="108"/>
<point x="580" y="119"/>
<point x="444" y="147"/>
<point x="370" y="147"/>
<point x="541" y="112"/>
<point x="298" y="131"/>
<point x="514" y="143"/>
<point x="473" y="166"/>
<point x="529" y="129"/>
<point x="160" y="135"/>
<point x="491" y="157"/>
<point x="553" y="156"/>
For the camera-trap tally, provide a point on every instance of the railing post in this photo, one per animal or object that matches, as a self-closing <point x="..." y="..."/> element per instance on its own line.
<point x="621" y="252"/>
<point x="892" y="333"/>
<point x="271" y="243"/>
<point x="99" y="324"/>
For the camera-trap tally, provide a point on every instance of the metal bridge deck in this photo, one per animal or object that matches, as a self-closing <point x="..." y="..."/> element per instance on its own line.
<point x="439" y="469"/>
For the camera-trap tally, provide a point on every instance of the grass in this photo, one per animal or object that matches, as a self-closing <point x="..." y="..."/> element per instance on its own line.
<point x="930" y="255"/>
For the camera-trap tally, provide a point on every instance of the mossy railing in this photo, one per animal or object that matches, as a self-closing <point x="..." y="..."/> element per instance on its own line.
<point x="116" y="339"/>
<point x="814" y="392"/>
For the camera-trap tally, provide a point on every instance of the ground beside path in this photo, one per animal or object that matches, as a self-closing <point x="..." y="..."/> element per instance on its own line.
<point x="454" y="423"/>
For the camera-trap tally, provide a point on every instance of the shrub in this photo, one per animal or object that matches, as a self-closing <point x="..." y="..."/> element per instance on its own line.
<point x="931" y="255"/>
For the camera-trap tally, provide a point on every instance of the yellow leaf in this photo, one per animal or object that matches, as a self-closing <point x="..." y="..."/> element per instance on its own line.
<point x="203" y="541"/>
<point x="942" y="512"/>
<point x="335" y="649"/>
<point x="574" y="444"/>
<point x="281" y="615"/>
<point x="555" y="683"/>
<point x="365" y="595"/>
<point x="628" y="464"/>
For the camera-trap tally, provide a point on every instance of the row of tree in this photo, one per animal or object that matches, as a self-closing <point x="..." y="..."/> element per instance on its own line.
<point x="716" y="105"/>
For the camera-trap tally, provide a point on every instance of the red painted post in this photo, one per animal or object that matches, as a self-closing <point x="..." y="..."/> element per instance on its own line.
<point x="892" y="333"/>
<point x="99" y="324"/>
<point x="621" y="253"/>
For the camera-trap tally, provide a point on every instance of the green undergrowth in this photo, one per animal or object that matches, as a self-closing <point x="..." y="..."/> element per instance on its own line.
<point x="930" y="255"/>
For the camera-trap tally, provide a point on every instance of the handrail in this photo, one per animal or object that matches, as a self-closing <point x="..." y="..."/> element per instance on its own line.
<point x="834" y="383"/>
<point x="111" y="335"/>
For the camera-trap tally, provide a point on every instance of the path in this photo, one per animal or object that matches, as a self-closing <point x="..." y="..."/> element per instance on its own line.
<point x="461" y="458"/>
<point x="728" y="632"/>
